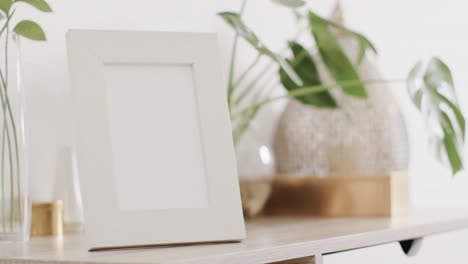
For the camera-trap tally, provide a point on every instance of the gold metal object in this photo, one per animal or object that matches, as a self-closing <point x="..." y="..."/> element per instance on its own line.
<point x="47" y="219"/>
<point x="254" y="195"/>
<point x="340" y="196"/>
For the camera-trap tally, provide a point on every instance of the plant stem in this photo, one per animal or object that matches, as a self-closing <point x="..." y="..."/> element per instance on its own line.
<point x="5" y="123"/>
<point x="245" y="123"/>
<point x="249" y="68"/>
<point x="15" y="134"/>
<point x="3" y="176"/>
<point x="7" y="134"/>
<point x="310" y="90"/>
<point x="7" y="108"/>
<point x="249" y="87"/>
<point x="233" y="59"/>
<point x="268" y="67"/>
<point x="12" y="181"/>
<point x="231" y="70"/>
<point x="242" y="127"/>
<point x="261" y="77"/>
<point x="4" y="97"/>
<point x="249" y="113"/>
<point x="7" y="22"/>
<point x="4" y="130"/>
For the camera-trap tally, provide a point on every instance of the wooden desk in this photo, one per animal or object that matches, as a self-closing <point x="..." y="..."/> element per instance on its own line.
<point x="329" y="241"/>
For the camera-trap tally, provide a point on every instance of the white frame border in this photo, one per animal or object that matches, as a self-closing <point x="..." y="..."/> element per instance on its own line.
<point x="88" y="51"/>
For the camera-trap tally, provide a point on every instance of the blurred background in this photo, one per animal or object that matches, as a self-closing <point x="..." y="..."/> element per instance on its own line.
<point x="402" y="31"/>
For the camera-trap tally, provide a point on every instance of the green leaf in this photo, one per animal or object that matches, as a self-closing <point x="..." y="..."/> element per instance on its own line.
<point x="413" y="86"/>
<point x="453" y="153"/>
<point x="39" y="4"/>
<point x="234" y="20"/>
<point x="417" y="99"/>
<point x="286" y="67"/>
<point x="443" y="69"/>
<point x="336" y="60"/>
<point x="5" y="5"/>
<point x="289" y="3"/>
<point x="305" y="67"/>
<point x="432" y="83"/>
<point x="456" y="112"/>
<point x="30" y="30"/>
<point x="364" y="43"/>
<point x="436" y="77"/>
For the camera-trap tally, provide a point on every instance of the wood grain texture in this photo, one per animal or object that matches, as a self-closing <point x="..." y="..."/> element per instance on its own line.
<point x="269" y="240"/>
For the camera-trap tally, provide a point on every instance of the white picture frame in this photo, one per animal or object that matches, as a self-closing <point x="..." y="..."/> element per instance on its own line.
<point x="153" y="139"/>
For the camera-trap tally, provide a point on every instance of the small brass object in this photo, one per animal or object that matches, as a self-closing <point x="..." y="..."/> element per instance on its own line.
<point x="47" y="219"/>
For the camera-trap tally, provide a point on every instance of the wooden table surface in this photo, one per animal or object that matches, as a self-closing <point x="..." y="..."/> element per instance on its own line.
<point x="269" y="240"/>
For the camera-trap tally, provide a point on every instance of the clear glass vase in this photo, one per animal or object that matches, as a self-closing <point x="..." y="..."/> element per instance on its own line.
<point x="15" y="205"/>
<point x="256" y="168"/>
<point x="67" y="189"/>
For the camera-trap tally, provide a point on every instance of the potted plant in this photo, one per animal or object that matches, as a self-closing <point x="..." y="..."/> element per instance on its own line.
<point x="298" y="69"/>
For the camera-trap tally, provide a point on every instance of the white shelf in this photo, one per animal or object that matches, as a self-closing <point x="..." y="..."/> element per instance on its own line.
<point x="269" y="240"/>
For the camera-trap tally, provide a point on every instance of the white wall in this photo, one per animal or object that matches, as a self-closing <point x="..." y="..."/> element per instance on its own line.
<point x="403" y="31"/>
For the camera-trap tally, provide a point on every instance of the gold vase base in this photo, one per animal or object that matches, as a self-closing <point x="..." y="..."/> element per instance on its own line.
<point x="47" y="219"/>
<point x="254" y="195"/>
<point x="357" y="196"/>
